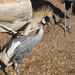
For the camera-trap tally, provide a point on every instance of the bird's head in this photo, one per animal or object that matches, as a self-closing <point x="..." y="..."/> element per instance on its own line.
<point x="45" y="22"/>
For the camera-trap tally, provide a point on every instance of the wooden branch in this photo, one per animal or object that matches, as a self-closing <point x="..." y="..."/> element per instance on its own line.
<point x="13" y="27"/>
<point x="17" y="13"/>
<point x="7" y="29"/>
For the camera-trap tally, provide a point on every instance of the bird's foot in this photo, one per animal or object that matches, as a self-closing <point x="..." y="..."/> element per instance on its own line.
<point x="69" y="28"/>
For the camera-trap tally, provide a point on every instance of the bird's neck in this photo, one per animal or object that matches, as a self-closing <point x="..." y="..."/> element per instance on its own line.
<point x="38" y="37"/>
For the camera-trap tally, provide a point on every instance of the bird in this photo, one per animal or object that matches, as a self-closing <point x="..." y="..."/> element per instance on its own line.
<point x="58" y="15"/>
<point x="68" y="4"/>
<point x="21" y="46"/>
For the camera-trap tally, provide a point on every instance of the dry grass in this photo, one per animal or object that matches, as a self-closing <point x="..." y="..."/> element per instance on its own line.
<point x="42" y="12"/>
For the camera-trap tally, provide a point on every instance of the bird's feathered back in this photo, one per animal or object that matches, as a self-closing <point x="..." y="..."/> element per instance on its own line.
<point x="23" y="45"/>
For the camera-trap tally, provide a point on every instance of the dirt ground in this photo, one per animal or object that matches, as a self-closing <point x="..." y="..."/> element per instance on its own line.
<point x="55" y="55"/>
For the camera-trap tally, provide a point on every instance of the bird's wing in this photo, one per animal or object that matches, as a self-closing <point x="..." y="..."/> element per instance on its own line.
<point x="24" y="49"/>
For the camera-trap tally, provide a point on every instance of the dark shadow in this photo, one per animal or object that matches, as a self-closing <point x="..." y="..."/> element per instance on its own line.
<point x="38" y="4"/>
<point x="2" y="67"/>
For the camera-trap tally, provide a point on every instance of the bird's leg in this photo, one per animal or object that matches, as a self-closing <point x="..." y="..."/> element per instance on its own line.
<point x="17" y="67"/>
<point x="70" y="15"/>
<point x="65" y="20"/>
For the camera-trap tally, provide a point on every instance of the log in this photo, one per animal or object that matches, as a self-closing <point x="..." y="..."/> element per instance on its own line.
<point x="13" y="27"/>
<point x="14" y="15"/>
<point x="31" y="25"/>
<point x="7" y="1"/>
